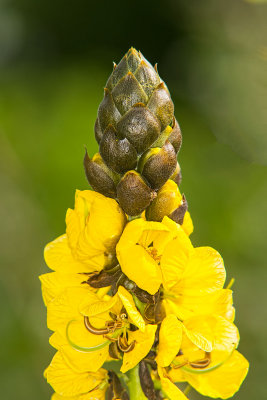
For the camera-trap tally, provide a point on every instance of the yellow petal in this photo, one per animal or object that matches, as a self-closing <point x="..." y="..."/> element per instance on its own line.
<point x="68" y="382"/>
<point x="54" y="283"/>
<point x="143" y="344"/>
<point x="187" y="224"/>
<point x="107" y="220"/>
<point x="170" y="338"/>
<point x="73" y="227"/>
<point x="225" y="334"/>
<point x="79" y="360"/>
<point x="94" y="228"/>
<point x="140" y="267"/>
<point x="212" y="332"/>
<point x="169" y="388"/>
<point x="92" y="307"/>
<point x="65" y="308"/>
<point x="217" y="303"/>
<point x="133" y="255"/>
<point x="199" y="332"/>
<point x="204" y="272"/>
<point x="224" y="381"/>
<point x="58" y="257"/>
<point x="133" y="313"/>
<point x="175" y="258"/>
<point x="95" y="394"/>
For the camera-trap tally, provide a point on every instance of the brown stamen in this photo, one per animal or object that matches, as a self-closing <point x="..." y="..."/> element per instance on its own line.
<point x="95" y="331"/>
<point x="123" y="347"/>
<point x="202" y="363"/>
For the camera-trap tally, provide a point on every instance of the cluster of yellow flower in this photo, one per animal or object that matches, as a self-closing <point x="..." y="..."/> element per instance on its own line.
<point x="138" y="293"/>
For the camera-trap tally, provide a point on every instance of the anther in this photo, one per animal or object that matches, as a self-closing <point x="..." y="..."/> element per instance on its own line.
<point x="95" y="331"/>
<point x="125" y="348"/>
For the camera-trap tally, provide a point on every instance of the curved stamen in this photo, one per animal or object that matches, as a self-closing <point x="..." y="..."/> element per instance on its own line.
<point x="203" y="371"/>
<point x="123" y="348"/>
<point x="205" y="362"/>
<point x="84" y="349"/>
<point x="95" y="331"/>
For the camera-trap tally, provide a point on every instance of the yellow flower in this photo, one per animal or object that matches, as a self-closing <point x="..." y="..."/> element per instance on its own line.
<point x="206" y="332"/>
<point x="155" y="253"/>
<point x="134" y="344"/>
<point x="140" y="249"/>
<point x="85" y="325"/>
<point x="216" y="374"/>
<point x="68" y="382"/>
<point x="93" y="230"/>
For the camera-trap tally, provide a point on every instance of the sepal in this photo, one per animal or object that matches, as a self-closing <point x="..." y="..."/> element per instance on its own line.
<point x="133" y="194"/>
<point x="158" y="164"/>
<point x="119" y="155"/>
<point x="99" y="176"/>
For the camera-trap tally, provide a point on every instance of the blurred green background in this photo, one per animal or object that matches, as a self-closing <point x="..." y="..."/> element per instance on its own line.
<point x="55" y="57"/>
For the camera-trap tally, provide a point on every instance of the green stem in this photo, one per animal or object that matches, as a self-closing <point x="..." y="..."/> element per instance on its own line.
<point x="187" y="389"/>
<point x="136" y="392"/>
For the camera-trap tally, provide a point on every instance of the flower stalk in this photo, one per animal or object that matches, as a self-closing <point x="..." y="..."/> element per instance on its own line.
<point x="135" y="389"/>
<point x="128" y="285"/>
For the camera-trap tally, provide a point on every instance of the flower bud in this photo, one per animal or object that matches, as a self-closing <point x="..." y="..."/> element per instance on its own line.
<point x="177" y="175"/>
<point x="128" y="92"/>
<point x="98" y="131"/>
<point x="175" y="137"/>
<point x="158" y="164"/>
<point x="161" y="105"/>
<point x="140" y="127"/>
<point x="119" y="155"/>
<point x="163" y="137"/>
<point x="147" y="77"/>
<point x="167" y="201"/>
<point x="107" y="111"/>
<point x="99" y="176"/>
<point x="133" y="194"/>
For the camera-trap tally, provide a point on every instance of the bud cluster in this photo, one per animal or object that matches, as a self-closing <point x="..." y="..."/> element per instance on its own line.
<point x="138" y="136"/>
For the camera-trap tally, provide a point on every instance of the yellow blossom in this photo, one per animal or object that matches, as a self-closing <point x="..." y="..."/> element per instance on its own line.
<point x="85" y="326"/>
<point x="55" y="283"/>
<point x="216" y="374"/>
<point x="207" y="332"/>
<point x="140" y="249"/>
<point x="93" y="230"/>
<point x="69" y="382"/>
<point x="155" y="253"/>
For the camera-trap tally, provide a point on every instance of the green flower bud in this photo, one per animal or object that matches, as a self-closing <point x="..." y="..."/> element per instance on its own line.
<point x="161" y="105"/>
<point x="119" y="155"/>
<point x="133" y="194"/>
<point x="99" y="176"/>
<point x="128" y="92"/>
<point x="158" y="164"/>
<point x="147" y="77"/>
